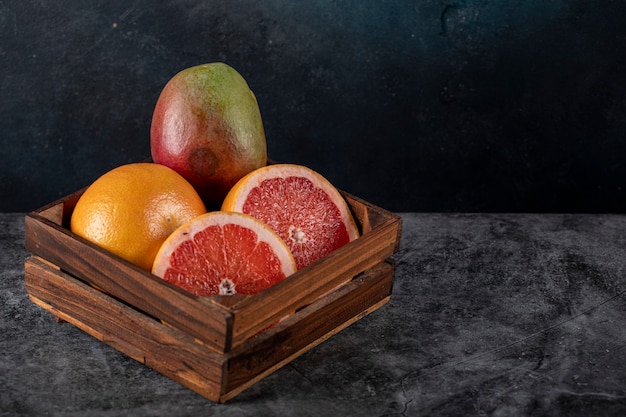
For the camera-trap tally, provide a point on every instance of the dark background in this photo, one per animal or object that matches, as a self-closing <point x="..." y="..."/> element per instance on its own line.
<point x="433" y="105"/>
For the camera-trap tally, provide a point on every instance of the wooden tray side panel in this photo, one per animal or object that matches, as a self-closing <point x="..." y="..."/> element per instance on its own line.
<point x="204" y="321"/>
<point x="308" y="328"/>
<point x="319" y="278"/>
<point x="142" y="338"/>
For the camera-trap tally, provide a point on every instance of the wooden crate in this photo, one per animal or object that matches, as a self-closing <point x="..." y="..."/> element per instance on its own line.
<point x="219" y="345"/>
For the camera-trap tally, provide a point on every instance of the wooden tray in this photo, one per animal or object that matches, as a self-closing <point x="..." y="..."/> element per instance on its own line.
<point x="216" y="346"/>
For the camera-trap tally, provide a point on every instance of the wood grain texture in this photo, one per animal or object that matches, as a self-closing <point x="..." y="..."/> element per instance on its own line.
<point x="309" y="327"/>
<point x="218" y="377"/>
<point x="137" y="335"/>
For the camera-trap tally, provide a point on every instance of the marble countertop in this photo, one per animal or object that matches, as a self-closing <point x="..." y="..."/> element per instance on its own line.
<point x="491" y="314"/>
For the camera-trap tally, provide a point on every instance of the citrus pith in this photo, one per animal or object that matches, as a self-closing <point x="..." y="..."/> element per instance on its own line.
<point x="130" y="210"/>
<point x="300" y="205"/>
<point x="221" y="253"/>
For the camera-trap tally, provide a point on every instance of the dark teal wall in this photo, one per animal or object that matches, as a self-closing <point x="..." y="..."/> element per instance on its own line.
<point x="427" y="105"/>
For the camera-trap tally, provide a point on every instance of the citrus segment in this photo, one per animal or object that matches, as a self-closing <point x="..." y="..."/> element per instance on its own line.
<point x="131" y="210"/>
<point x="300" y="205"/>
<point x="223" y="253"/>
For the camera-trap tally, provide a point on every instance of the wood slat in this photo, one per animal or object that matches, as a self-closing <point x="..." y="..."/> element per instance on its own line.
<point x="308" y="328"/>
<point x="218" y="377"/>
<point x="135" y="334"/>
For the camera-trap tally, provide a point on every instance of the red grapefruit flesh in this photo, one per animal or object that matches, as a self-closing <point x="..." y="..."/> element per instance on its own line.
<point x="300" y="205"/>
<point x="221" y="253"/>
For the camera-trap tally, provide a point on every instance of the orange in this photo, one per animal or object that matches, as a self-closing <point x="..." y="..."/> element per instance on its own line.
<point x="223" y="253"/>
<point x="300" y="205"/>
<point x="132" y="209"/>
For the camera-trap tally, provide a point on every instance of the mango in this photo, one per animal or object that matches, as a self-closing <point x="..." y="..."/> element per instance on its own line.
<point x="207" y="126"/>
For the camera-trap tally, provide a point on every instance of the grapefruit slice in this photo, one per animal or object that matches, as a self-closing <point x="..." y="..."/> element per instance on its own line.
<point x="221" y="253"/>
<point x="300" y="205"/>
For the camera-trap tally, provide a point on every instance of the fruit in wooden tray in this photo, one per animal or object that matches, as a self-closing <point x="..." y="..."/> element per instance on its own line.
<point x="131" y="210"/>
<point x="207" y="126"/>
<point x="223" y="253"/>
<point x="299" y="204"/>
<point x="208" y="147"/>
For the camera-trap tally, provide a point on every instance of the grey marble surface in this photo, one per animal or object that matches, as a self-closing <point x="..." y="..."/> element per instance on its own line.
<point x="491" y="314"/>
